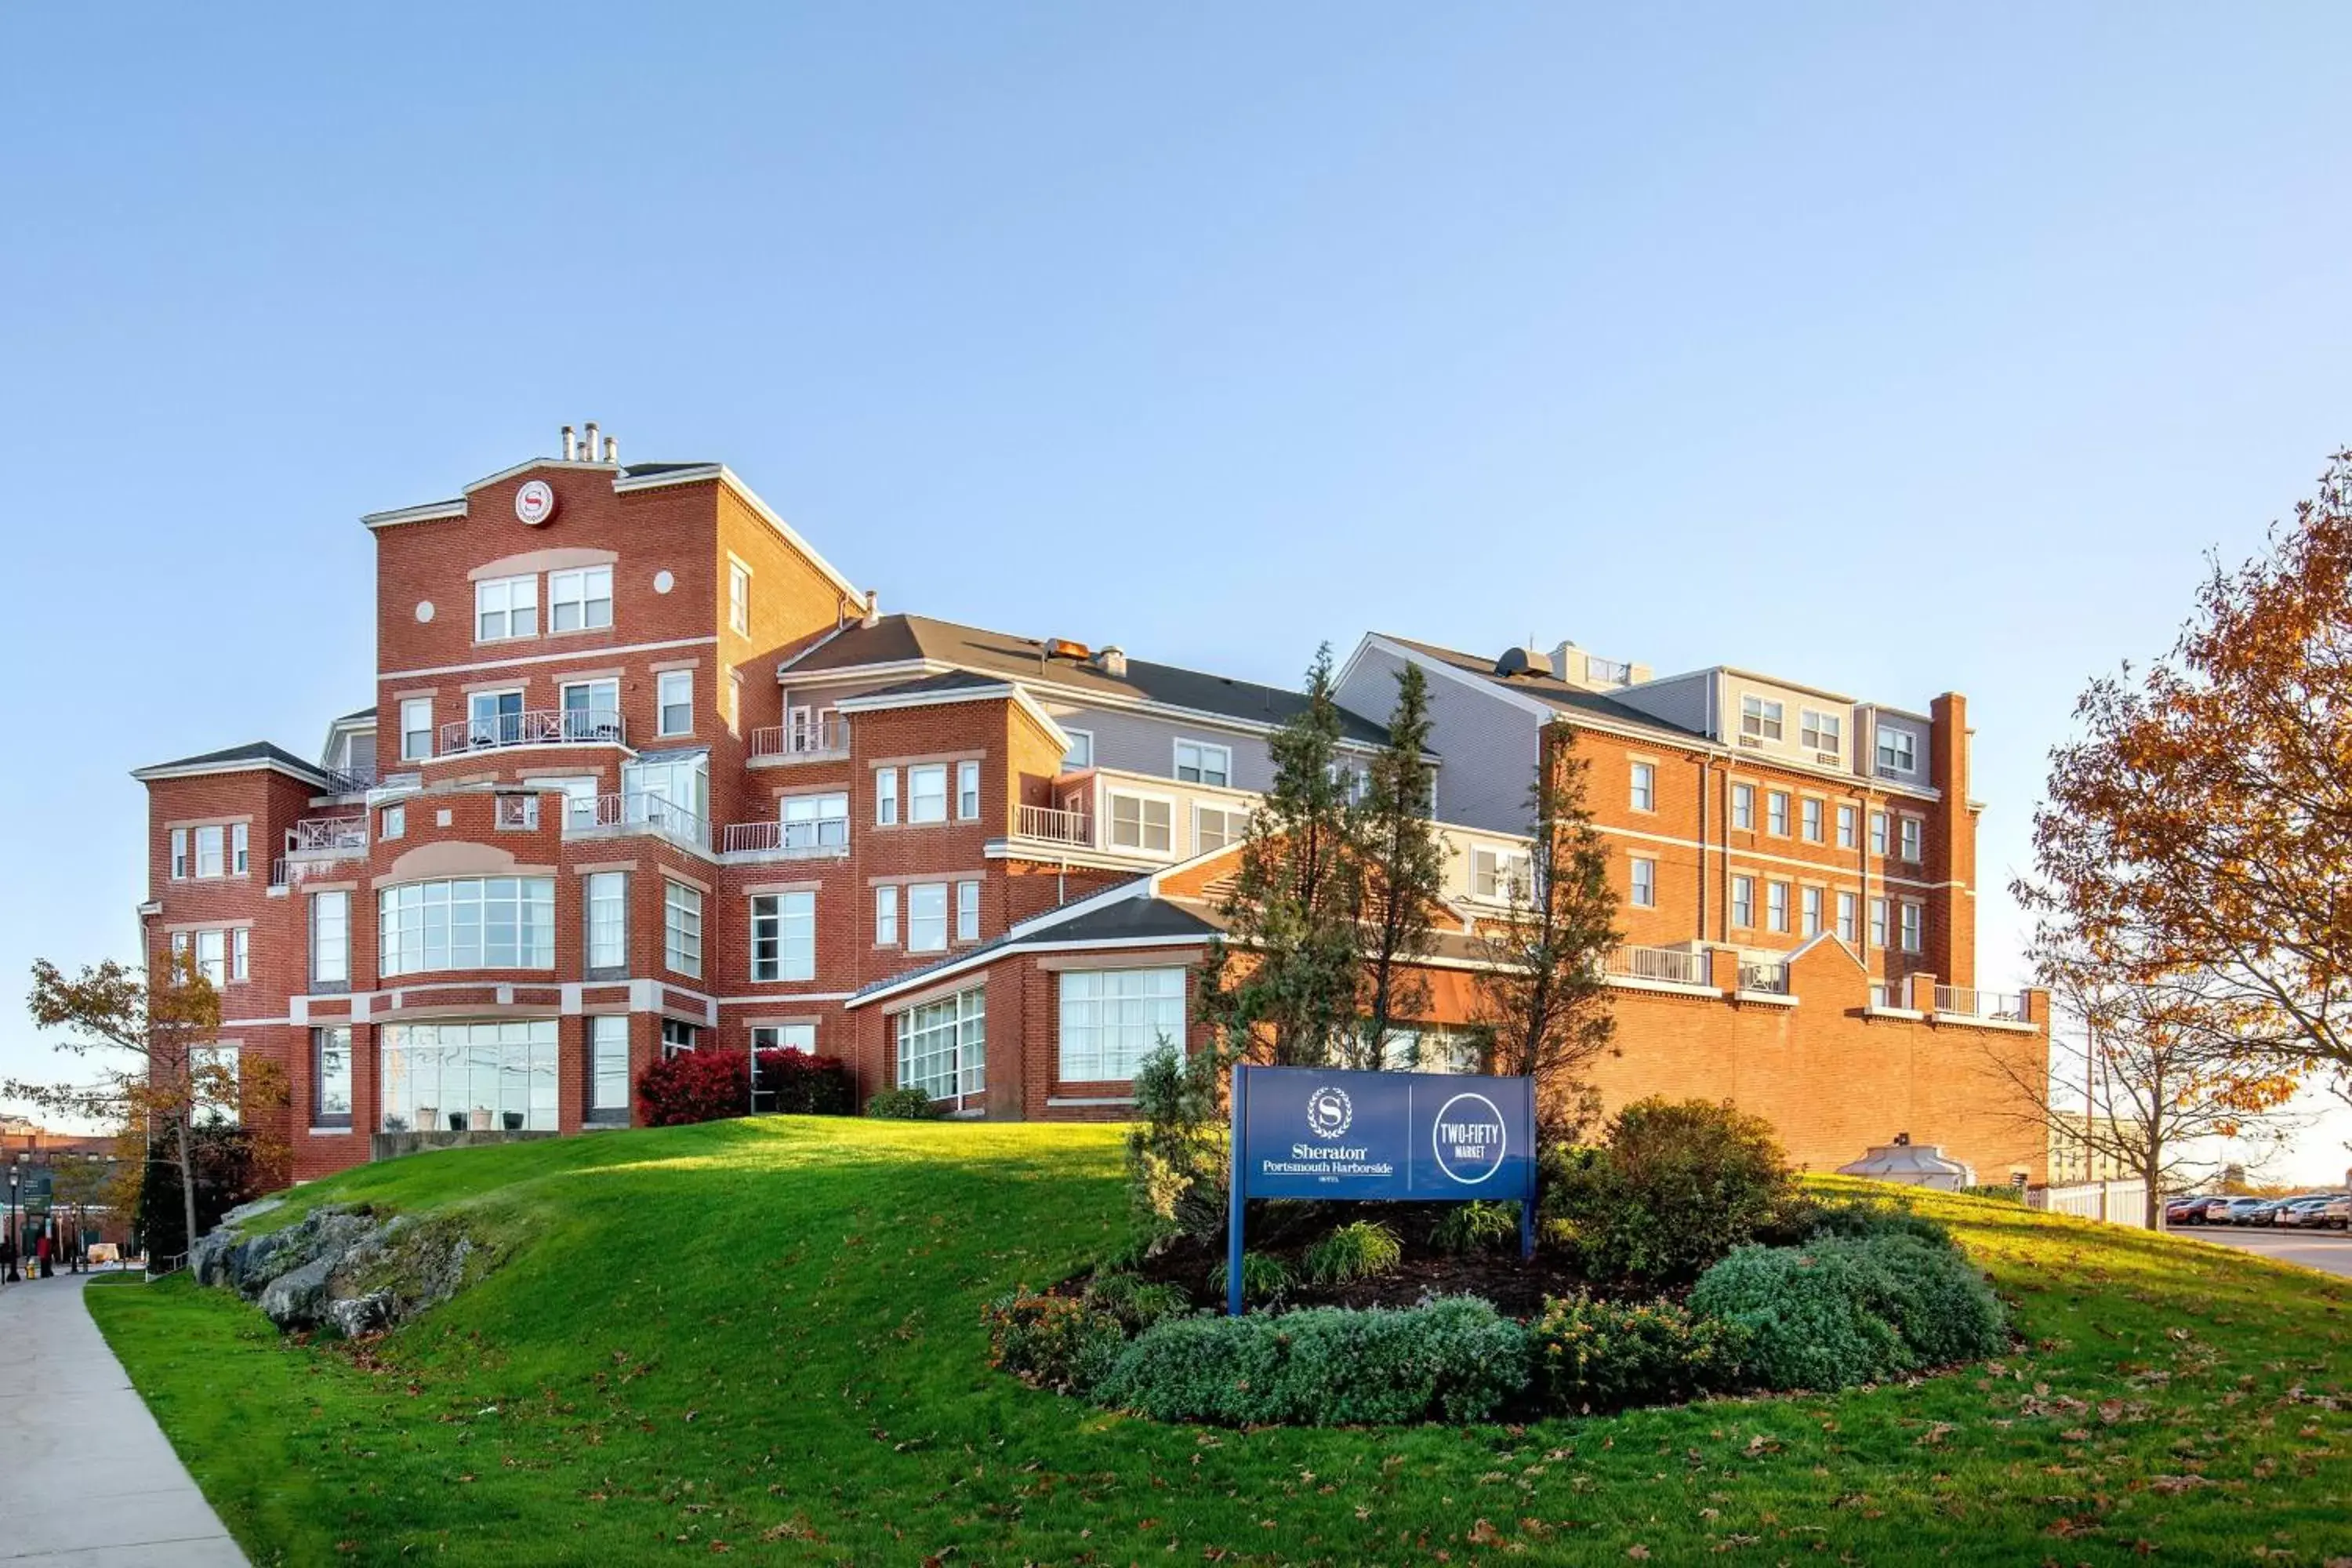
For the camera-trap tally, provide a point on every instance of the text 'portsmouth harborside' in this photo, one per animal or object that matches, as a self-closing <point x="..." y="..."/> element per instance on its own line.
<point x="1316" y="1133"/>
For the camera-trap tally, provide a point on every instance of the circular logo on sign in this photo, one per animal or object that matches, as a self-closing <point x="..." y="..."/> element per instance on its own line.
<point x="1329" y="1112"/>
<point x="1468" y="1139"/>
<point x="535" y="502"/>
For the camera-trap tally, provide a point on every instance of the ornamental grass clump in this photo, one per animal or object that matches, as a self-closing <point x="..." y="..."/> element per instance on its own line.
<point x="1360" y="1249"/>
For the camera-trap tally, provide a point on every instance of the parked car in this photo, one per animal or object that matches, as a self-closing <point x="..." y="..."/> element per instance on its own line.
<point x="2186" y="1210"/>
<point x="2232" y="1211"/>
<point x="2296" y="1212"/>
<point x="2337" y="1215"/>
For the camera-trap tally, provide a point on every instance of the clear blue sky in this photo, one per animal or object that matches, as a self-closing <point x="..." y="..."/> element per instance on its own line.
<point x="1895" y="350"/>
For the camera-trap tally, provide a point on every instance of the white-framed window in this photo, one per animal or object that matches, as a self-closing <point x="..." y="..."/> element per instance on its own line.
<point x="1808" y="816"/>
<point x="591" y="710"/>
<point x="674" y="694"/>
<point x="1215" y="827"/>
<point x="1645" y="883"/>
<point x="734" y="695"/>
<point x="1878" y="833"/>
<point x="1141" y="821"/>
<point x="801" y="1038"/>
<point x="967" y="911"/>
<point x="1760" y="717"/>
<point x="1914" y="923"/>
<point x="393" y="821"/>
<point x="330" y="1078"/>
<point x="1504" y="875"/>
<point x="211" y="853"/>
<point x="1776" y="906"/>
<point x="927" y="793"/>
<point x="1849" y="918"/>
<point x="1353" y="783"/>
<point x="1776" y="812"/>
<point x="330" y="939"/>
<point x="580" y="795"/>
<point x="1645" y="786"/>
<point x="1910" y="838"/>
<point x="608" y="1069"/>
<point x="1896" y="752"/>
<point x="506" y="607"/>
<point x="1809" y="911"/>
<point x="783" y="936"/>
<point x="416" y="728"/>
<point x="222" y="1097"/>
<point x="927" y="917"/>
<point x="581" y="600"/>
<point x="240" y="953"/>
<point x="239" y="844"/>
<point x="1199" y="762"/>
<point x="967" y="790"/>
<point x="1113" y="1018"/>
<point x="682" y="927"/>
<point x="885" y="917"/>
<point x="212" y="957"/>
<point x="608" y="920"/>
<point x="178" y="854"/>
<point x="1817" y="731"/>
<point x="815" y="821"/>
<point x="738" y="597"/>
<point x="1081" y="754"/>
<point x="468" y="1077"/>
<point x="494" y="718"/>
<point x="1848" y="827"/>
<point x="1878" y="924"/>
<point x="677" y="1034"/>
<point x="886" y="797"/>
<point x="466" y="922"/>
<point x="1743" y="901"/>
<point x="1743" y="807"/>
<point x="943" y="1045"/>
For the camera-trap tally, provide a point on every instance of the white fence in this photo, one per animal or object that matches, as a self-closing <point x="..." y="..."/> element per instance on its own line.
<point x="2117" y="1203"/>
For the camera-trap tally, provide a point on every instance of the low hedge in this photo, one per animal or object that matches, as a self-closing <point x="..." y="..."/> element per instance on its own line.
<point x="1585" y="1355"/>
<point x="1060" y="1342"/>
<point x="1850" y="1310"/>
<point x="904" y="1105"/>
<point x="1452" y="1360"/>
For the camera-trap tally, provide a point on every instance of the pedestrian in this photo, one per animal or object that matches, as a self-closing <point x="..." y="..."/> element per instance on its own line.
<point x="7" y="1255"/>
<point x="41" y="1251"/>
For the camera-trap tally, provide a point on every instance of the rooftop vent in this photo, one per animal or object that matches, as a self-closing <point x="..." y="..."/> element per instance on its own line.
<point x="1520" y="662"/>
<point x="582" y="448"/>
<point x="1111" y="659"/>
<point x="1063" y="648"/>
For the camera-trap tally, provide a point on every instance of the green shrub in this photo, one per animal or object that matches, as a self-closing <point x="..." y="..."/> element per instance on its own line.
<point x="1134" y="1302"/>
<point x="1999" y="1193"/>
<point x="1848" y="1309"/>
<point x="1585" y="1355"/>
<point x="1182" y="1143"/>
<point x="1678" y="1185"/>
<point x="903" y="1105"/>
<point x="1481" y="1226"/>
<point x="1360" y="1249"/>
<point x="1052" y="1341"/>
<point x="1452" y="1360"/>
<point x="1263" y="1278"/>
<point x="1865" y="1217"/>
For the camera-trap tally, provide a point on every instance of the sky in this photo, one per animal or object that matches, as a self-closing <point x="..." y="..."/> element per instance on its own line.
<point x="1893" y="349"/>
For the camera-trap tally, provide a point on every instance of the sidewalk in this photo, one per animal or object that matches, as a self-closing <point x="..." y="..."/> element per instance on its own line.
<point x="87" y="1480"/>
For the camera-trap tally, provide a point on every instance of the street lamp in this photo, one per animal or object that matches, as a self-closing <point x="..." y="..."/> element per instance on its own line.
<point x="12" y="1178"/>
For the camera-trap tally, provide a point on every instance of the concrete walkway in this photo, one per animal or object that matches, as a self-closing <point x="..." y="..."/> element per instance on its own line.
<point x="87" y="1478"/>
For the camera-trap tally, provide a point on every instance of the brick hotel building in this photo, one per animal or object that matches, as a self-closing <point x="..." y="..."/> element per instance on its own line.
<point x="643" y="772"/>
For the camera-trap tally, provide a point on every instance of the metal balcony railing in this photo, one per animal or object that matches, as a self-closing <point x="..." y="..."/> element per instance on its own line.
<point x="319" y="834"/>
<point x="350" y="781"/>
<point x="1770" y="978"/>
<point x="821" y="737"/>
<point x="1967" y="1002"/>
<point x="648" y="812"/>
<point x="814" y="840"/>
<point x="518" y="813"/>
<point x="534" y="727"/>
<point x="1668" y="964"/>
<point x="1051" y="824"/>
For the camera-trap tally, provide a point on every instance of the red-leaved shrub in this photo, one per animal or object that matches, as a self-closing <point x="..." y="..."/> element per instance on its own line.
<point x="708" y="1084"/>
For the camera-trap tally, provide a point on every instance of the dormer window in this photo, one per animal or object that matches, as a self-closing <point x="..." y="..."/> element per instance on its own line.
<point x="1197" y="761"/>
<point x="1897" y="752"/>
<point x="507" y="608"/>
<point x="1820" y="732"/>
<point x="1760" y="718"/>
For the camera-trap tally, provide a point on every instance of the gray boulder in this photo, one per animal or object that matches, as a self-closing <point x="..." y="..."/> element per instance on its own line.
<point x="296" y="1298"/>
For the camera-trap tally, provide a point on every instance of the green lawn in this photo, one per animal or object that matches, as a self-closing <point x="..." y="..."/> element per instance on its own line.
<point x="761" y="1337"/>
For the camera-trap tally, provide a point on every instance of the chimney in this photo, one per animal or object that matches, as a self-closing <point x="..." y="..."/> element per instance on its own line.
<point x="570" y="444"/>
<point x="588" y="454"/>
<point x="873" y="608"/>
<point x="1111" y="659"/>
<point x="612" y="450"/>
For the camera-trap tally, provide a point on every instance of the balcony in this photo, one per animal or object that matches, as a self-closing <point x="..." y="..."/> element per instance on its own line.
<point x="804" y="740"/>
<point x="617" y="815"/>
<point x="1764" y="979"/>
<point x="1994" y="1006"/>
<point x="1671" y="965"/>
<point x="1050" y="825"/>
<point x="328" y="836"/>
<point x="787" y="840"/>
<point x="535" y="726"/>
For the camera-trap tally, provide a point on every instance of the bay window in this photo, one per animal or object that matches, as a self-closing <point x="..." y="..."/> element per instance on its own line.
<point x="466" y="922"/>
<point x="486" y="1077"/>
<point x="943" y="1045"/>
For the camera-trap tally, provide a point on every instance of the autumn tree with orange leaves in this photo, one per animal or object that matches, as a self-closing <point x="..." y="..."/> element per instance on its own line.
<point x="2195" y="851"/>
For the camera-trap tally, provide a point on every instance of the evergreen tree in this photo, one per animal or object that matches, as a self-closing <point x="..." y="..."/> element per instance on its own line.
<point x="1399" y="875"/>
<point x="1543" y="996"/>
<point x="1282" y="985"/>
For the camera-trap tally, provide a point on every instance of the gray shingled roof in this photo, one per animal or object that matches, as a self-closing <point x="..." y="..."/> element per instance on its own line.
<point x="1123" y="918"/>
<point x="253" y="752"/>
<point x="895" y="638"/>
<point x="1546" y="688"/>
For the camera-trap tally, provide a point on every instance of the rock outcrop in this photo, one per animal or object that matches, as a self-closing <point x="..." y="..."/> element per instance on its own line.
<point x="342" y="1269"/>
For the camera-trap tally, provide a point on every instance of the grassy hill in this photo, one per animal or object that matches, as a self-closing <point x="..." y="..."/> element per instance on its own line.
<point x="761" y="1337"/>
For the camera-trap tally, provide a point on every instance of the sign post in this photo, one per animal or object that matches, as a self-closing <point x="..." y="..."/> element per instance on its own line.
<point x="1377" y="1137"/>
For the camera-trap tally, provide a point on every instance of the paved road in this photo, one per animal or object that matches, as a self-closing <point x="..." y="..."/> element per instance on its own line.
<point x="2330" y="1250"/>
<point x="87" y="1478"/>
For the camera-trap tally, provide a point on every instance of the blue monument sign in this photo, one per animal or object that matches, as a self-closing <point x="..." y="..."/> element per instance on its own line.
<point x="1379" y="1137"/>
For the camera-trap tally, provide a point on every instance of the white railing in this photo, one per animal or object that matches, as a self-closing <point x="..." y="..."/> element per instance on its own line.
<point x="1967" y="1002"/>
<point x="636" y="811"/>
<point x="2116" y="1203"/>
<point x="327" y="834"/>
<point x="1051" y="824"/>
<point x="797" y="839"/>
<point x="1771" y="978"/>
<point x="518" y="812"/>
<point x="822" y="737"/>
<point x="1669" y="963"/>
<point x="536" y="727"/>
